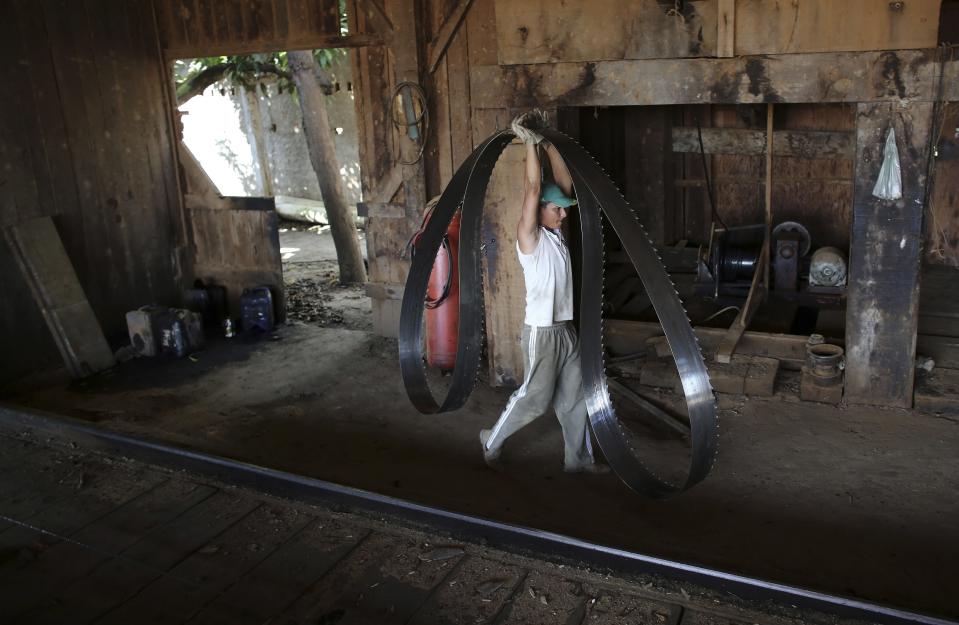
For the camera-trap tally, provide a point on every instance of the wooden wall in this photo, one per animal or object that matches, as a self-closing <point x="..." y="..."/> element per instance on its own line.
<point x="714" y="58"/>
<point x="196" y="28"/>
<point x="942" y="220"/>
<point x="543" y="31"/>
<point x="816" y="192"/>
<point x="85" y="136"/>
<point x="91" y="96"/>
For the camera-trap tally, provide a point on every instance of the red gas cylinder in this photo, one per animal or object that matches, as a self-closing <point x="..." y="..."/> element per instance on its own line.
<point x="443" y="301"/>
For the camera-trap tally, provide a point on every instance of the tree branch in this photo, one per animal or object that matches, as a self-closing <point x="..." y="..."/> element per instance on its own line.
<point x="196" y="84"/>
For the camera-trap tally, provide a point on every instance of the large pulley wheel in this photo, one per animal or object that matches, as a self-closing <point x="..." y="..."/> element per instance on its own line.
<point x="595" y="193"/>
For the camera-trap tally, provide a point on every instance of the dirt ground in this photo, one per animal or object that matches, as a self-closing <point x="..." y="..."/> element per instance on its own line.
<point x="313" y="292"/>
<point x="860" y="501"/>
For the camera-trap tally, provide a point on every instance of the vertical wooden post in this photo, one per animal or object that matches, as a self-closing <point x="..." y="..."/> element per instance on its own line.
<point x="759" y="288"/>
<point x="726" y="34"/>
<point x="649" y="147"/>
<point x="406" y="58"/>
<point x="769" y="191"/>
<point x="884" y="257"/>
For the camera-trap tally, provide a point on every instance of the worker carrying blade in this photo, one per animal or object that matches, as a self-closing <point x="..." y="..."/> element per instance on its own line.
<point x="553" y="375"/>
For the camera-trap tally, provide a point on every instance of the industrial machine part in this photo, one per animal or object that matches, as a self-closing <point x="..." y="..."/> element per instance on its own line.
<point x="735" y="252"/>
<point x="786" y="261"/>
<point x="792" y="241"/>
<point x="828" y="267"/>
<point x="595" y="192"/>
<point x="822" y="375"/>
<point x="796" y="228"/>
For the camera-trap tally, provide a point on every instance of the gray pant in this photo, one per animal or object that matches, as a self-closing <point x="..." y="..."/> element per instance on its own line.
<point x="553" y="377"/>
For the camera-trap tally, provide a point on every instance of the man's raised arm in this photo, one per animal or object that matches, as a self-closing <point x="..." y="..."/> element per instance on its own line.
<point x="525" y="127"/>
<point x="560" y="173"/>
<point x="527" y="232"/>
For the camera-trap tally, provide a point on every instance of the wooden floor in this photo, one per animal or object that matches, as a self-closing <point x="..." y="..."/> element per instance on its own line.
<point x="86" y="538"/>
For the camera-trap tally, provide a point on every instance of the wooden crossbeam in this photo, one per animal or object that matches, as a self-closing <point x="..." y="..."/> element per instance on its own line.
<point x="378" y="18"/>
<point x="802" y="143"/>
<point x="817" y="78"/>
<point x="307" y="42"/>
<point x="438" y="46"/>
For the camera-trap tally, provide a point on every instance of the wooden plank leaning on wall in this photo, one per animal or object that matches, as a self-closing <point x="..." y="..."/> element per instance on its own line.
<point x="884" y="259"/>
<point x="46" y="267"/>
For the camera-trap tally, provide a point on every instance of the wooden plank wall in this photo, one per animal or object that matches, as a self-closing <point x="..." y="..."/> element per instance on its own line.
<point x="816" y="192"/>
<point x="764" y="27"/>
<point x="196" y="28"/>
<point x="942" y="221"/>
<point x="452" y="138"/>
<point x="85" y="137"/>
<point x="522" y="54"/>
<point x="538" y="31"/>
<point x="237" y="245"/>
<point x="544" y="31"/>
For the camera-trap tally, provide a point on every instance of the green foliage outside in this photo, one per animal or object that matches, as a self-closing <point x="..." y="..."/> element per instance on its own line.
<point x="247" y="71"/>
<point x="192" y="76"/>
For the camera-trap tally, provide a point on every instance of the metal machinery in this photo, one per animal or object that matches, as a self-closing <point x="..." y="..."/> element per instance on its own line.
<point x="726" y="270"/>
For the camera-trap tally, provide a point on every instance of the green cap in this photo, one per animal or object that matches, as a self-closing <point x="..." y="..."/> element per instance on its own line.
<point x="552" y="193"/>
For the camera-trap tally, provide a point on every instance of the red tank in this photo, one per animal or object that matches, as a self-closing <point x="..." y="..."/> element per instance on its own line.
<point x="443" y="301"/>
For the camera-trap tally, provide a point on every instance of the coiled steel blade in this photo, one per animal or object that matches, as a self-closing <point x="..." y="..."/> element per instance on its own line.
<point x="595" y="192"/>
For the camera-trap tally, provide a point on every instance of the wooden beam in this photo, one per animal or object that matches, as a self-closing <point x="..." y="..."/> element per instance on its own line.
<point x="385" y="290"/>
<point x="943" y="349"/>
<point x="437" y="47"/>
<point x="306" y="42"/>
<point x="726" y="33"/>
<point x="888" y="76"/>
<point x="46" y="267"/>
<point x="767" y="243"/>
<point x="389" y="185"/>
<point x="801" y="143"/>
<point x="623" y="337"/>
<point x="376" y="16"/>
<point x="882" y="302"/>
<point x="950" y="80"/>
<point x="757" y="293"/>
<point x="407" y="64"/>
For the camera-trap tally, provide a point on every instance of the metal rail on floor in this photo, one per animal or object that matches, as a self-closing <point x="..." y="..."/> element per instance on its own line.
<point x="546" y="545"/>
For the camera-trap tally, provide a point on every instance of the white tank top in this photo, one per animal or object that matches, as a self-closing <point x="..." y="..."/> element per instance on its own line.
<point x="549" y="280"/>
